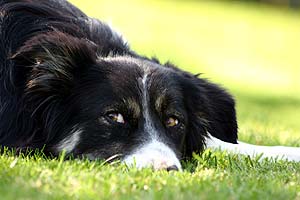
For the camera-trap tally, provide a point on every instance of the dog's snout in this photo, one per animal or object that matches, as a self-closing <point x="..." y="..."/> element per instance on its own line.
<point x="155" y="155"/>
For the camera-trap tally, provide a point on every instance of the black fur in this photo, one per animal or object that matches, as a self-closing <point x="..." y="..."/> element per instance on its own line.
<point x="60" y="70"/>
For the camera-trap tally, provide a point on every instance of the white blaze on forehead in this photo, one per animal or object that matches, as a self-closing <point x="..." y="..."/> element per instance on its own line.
<point x="149" y="128"/>
<point x="69" y="143"/>
<point x="154" y="154"/>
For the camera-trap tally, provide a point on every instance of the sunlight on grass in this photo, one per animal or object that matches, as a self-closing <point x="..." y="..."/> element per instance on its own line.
<point x="212" y="175"/>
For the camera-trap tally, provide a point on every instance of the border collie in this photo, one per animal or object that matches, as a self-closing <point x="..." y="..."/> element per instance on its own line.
<point x="70" y="83"/>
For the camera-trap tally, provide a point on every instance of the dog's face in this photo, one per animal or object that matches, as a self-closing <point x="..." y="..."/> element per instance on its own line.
<point x="122" y="106"/>
<point x="134" y="108"/>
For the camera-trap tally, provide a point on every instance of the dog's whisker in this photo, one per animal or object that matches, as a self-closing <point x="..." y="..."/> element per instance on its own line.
<point x="113" y="158"/>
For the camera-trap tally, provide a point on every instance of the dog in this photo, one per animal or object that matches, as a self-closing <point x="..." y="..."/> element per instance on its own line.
<point x="71" y="83"/>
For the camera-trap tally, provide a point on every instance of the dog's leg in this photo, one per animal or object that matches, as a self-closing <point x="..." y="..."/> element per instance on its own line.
<point x="279" y="152"/>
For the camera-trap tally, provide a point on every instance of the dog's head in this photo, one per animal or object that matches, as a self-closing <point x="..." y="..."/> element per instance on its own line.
<point x="120" y="105"/>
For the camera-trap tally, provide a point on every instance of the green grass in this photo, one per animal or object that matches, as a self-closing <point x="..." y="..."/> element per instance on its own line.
<point x="213" y="175"/>
<point x="251" y="50"/>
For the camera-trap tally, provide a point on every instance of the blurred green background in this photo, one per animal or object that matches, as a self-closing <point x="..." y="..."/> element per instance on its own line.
<point x="251" y="48"/>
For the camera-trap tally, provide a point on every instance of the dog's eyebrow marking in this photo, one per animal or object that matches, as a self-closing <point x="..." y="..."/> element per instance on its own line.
<point x="134" y="106"/>
<point x="160" y="99"/>
<point x="70" y="142"/>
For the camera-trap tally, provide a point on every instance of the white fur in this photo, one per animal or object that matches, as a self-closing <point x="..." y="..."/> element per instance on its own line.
<point x="69" y="143"/>
<point x="154" y="154"/>
<point x="148" y="126"/>
<point x="278" y="152"/>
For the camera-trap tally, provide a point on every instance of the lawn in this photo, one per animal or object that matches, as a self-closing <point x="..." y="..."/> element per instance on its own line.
<point x="253" y="51"/>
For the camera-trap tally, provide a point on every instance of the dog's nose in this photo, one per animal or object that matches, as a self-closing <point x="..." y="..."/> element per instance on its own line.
<point x="163" y="165"/>
<point x="172" y="168"/>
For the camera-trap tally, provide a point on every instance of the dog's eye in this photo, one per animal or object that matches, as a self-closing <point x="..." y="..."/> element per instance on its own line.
<point x="172" y="122"/>
<point x="116" y="117"/>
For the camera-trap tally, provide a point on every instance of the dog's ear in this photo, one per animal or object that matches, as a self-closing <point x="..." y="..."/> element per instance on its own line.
<point x="53" y="62"/>
<point x="211" y="110"/>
